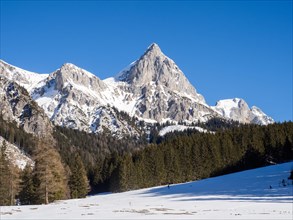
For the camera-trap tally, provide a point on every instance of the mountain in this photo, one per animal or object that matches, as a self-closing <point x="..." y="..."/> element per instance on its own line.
<point x="238" y="110"/>
<point x="160" y="90"/>
<point x="75" y="98"/>
<point x="24" y="78"/>
<point x="15" y="155"/>
<point x="151" y="89"/>
<point x="155" y="69"/>
<point x="16" y="105"/>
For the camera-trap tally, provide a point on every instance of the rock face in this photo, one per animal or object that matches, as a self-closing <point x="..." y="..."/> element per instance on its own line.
<point x="152" y="89"/>
<point x="161" y="91"/>
<point x="155" y="68"/>
<point x="75" y="98"/>
<point x="15" y="155"/>
<point x="238" y="110"/>
<point x="17" y="105"/>
<point x="24" y="78"/>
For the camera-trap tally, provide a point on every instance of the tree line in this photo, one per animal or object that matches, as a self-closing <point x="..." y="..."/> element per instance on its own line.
<point x="76" y="163"/>
<point x="187" y="156"/>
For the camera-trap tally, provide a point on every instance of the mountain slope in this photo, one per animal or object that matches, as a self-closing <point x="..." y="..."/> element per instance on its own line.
<point x="243" y="195"/>
<point x="75" y="98"/>
<point x="17" y="105"/>
<point x="24" y="78"/>
<point x="238" y="110"/>
<point x="154" y="67"/>
<point x="160" y="90"/>
<point x="15" y="155"/>
<point x="152" y="89"/>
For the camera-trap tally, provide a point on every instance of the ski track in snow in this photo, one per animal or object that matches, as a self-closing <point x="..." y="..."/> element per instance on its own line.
<point x="243" y="195"/>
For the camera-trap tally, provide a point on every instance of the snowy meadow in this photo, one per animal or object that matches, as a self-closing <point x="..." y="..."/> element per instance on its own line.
<point x="263" y="193"/>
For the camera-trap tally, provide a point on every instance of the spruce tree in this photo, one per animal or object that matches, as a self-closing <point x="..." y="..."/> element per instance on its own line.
<point x="4" y="176"/>
<point x="9" y="178"/>
<point x="27" y="193"/>
<point x="79" y="185"/>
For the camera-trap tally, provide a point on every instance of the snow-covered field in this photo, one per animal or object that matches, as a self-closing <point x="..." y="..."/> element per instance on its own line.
<point x="243" y="195"/>
<point x="173" y="128"/>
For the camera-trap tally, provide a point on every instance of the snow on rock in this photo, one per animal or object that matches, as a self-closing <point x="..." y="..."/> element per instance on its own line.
<point x="173" y="128"/>
<point x="24" y="78"/>
<point x="17" y="105"/>
<point x="15" y="155"/>
<point x="152" y="88"/>
<point x="238" y="110"/>
<point x="259" y="117"/>
<point x="243" y="195"/>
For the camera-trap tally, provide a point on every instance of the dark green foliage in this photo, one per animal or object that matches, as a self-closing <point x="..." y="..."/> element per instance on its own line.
<point x="187" y="156"/>
<point x="4" y="176"/>
<point x="98" y="153"/>
<point x="124" y="164"/>
<point x="9" y="178"/>
<point x="27" y="193"/>
<point x="78" y="183"/>
<point x="17" y="136"/>
<point x="218" y="124"/>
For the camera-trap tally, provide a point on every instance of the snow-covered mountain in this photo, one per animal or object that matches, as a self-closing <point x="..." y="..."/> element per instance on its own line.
<point x="152" y="88"/>
<point x="238" y="110"/>
<point x="24" y="78"/>
<point x="77" y="99"/>
<point x="160" y="90"/>
<point x="17" y="105"/>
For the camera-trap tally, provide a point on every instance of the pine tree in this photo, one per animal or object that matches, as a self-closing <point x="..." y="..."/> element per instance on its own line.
<point x="27" y="193"/>
<point x="9" y="179"/>
<point x="79" y="186"/>
<point x="4" y="176"/>
<point x="49" y="174"/>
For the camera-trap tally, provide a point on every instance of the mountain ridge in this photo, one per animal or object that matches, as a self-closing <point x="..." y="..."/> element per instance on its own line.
<point x="152" y="89"/>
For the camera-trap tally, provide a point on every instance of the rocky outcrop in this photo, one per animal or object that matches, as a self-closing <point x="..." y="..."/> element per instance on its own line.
<point x="15" y="155"/>
<point x="24" y="78"/>
<point x="17" y="105"/>
<point x="155" y="68"/>
<point x="161" y="90"/>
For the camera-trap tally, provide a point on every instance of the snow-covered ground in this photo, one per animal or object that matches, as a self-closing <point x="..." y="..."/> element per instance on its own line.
<point x="173" y="128"/>
<point x="15" y="155"/>
<point x="243" y="195"/>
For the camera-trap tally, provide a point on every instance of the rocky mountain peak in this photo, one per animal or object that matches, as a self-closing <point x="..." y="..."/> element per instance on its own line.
<point x="238" y="110"/>
<point x="76" y="76"/>
<point x="22" y="77"/>
<point x="154" y="49"/>
<point x="157" y="70"/>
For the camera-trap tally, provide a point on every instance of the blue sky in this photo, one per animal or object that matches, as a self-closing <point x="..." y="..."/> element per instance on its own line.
<point x="226" y="49"/>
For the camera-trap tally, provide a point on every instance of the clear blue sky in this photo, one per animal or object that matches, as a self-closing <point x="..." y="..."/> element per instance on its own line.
<point x="225" y="48"/>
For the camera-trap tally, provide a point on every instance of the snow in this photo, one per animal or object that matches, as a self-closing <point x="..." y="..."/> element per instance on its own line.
<point x="120" y="75"/>
<point x="243" y="195"/>
<point x="24" y="78"/>
<point x="118" y="98"/>
<point x="257" y="112"/>
<point x="173" y="128"/>
<point x="76" y="69"/>
<point x="226" y="106"/>
<point x="15" y="155"/>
